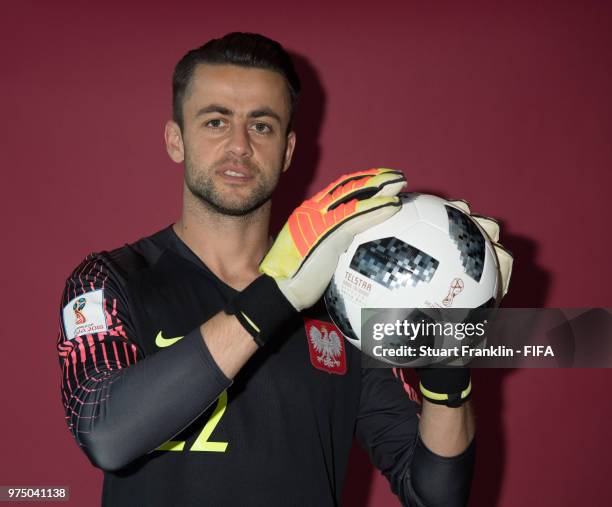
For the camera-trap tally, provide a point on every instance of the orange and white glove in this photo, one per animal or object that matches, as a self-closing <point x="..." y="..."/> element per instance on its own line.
<point x="305" y="254"/>
<point x="302" y="260"/>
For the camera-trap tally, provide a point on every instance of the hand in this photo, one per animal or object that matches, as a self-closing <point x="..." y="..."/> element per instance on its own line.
<point x="302" y="260"/>
<point x="304" y="256"/>
<point x="452" y="386"/>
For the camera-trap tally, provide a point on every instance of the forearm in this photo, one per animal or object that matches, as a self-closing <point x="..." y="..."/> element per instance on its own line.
<point x="443" y="461"/>
<point x="444" y="430"/>
<point x="112" y="412"/>
<point x="121" y="414"/>
<point x="389" y="428"/>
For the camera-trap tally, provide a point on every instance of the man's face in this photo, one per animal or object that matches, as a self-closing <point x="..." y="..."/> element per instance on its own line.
<point x="234" y="141"/>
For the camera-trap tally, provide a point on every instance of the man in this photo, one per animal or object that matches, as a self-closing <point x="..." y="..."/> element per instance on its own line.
<point x="187" y="373"/>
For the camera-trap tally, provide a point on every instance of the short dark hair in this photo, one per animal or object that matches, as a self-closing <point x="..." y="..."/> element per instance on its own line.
<point x="236" y="48"/>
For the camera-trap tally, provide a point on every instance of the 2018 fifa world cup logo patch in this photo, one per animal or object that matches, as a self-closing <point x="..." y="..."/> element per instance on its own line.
<point x="326" y="346"/>
<point x="78" y="306"/>
<point x="456" y="287"/>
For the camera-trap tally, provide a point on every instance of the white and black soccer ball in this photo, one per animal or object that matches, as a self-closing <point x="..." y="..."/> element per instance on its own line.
<point x="430" y="254"/>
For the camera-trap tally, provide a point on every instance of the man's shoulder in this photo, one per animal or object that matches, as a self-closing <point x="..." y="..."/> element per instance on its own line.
<point x="139" y="254"/>
<point x="124" y="261"/>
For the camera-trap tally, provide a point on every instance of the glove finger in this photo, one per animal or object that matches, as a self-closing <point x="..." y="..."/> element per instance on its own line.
<point x="462" y="204"/>
<point x="354" y="213"/>
<point x="369" y="212"/>
<point x="307" y="227"/>
<point x="342" y="180"/>
<point x="392" y="184"/>
<point x="387" y="182"/>
<point x="490" y="226"/>
<point x="506" y="261"/>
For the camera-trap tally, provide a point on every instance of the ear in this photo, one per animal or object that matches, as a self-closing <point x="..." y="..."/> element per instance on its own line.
<point x="174" y="141"/>
<point x="289" y="150"/>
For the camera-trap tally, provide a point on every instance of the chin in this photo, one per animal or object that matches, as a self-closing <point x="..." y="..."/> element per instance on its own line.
<point x="236" y="209"/>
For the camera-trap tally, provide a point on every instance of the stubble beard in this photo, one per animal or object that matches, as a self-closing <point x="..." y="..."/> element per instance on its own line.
<point x="201" y="184"/>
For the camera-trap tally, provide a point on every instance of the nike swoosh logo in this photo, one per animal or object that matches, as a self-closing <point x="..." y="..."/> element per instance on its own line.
<point x="162" y="342"/>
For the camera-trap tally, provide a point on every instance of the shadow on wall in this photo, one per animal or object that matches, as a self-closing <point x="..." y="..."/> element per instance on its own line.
<point x="529" y="289"/>
<point x="292" y="189"/>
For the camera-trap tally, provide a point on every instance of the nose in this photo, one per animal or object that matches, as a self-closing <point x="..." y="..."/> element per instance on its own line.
<point x="239" y="143"/>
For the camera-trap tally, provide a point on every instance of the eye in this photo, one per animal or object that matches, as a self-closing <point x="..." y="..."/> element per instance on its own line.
<point x="215" y="123"/>
<point x="262" y="128"/>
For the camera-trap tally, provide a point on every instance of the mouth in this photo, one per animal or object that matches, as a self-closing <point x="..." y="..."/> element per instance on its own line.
<point x="235" y="172"/>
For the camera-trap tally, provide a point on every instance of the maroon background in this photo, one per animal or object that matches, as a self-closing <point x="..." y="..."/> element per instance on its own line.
<point x="506" y="105"/>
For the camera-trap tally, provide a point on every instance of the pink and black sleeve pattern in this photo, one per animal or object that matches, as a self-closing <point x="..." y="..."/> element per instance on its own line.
<point x="111" y="391"/>
<point x="94" y="341"/>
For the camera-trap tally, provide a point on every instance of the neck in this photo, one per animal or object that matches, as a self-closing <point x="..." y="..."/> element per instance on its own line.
<point x="231" y="247"/>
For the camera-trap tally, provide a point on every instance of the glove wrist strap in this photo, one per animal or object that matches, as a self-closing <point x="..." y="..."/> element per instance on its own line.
<point x="261" y="308"/>
<point x="445" y="386"/>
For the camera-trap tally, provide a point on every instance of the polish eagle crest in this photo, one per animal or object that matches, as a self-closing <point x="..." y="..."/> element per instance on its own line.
<point x="327" y="345"/>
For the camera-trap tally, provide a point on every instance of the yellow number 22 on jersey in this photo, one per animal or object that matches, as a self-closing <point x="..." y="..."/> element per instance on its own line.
<point x="202" y="443"/>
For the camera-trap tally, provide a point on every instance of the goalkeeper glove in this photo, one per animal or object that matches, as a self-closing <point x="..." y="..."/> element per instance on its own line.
<point x="302" y="260"/>
<point x="452" y="386"/>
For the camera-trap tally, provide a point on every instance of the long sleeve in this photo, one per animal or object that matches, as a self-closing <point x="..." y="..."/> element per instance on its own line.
<point x="120" y="404"/>
<point x="387" y="428"/>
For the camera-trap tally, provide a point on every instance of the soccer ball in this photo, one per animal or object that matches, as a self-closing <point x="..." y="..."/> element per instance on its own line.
<point x="431" y="254"/>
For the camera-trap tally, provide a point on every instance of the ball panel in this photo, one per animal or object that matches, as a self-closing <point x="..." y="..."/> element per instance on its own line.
<point x="393" y="263"/>
<point x="430" y="209"/>
<point x="336" y="308"/>
<point x="469" y="240"/>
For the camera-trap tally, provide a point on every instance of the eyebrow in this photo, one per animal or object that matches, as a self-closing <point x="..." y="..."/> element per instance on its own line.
<point x="214" y="108"/>
<point x="265" y="111"/>
<point x="257" y="113"/>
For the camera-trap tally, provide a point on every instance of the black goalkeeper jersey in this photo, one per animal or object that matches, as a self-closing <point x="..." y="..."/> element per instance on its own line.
<point x="147" y="403"/>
